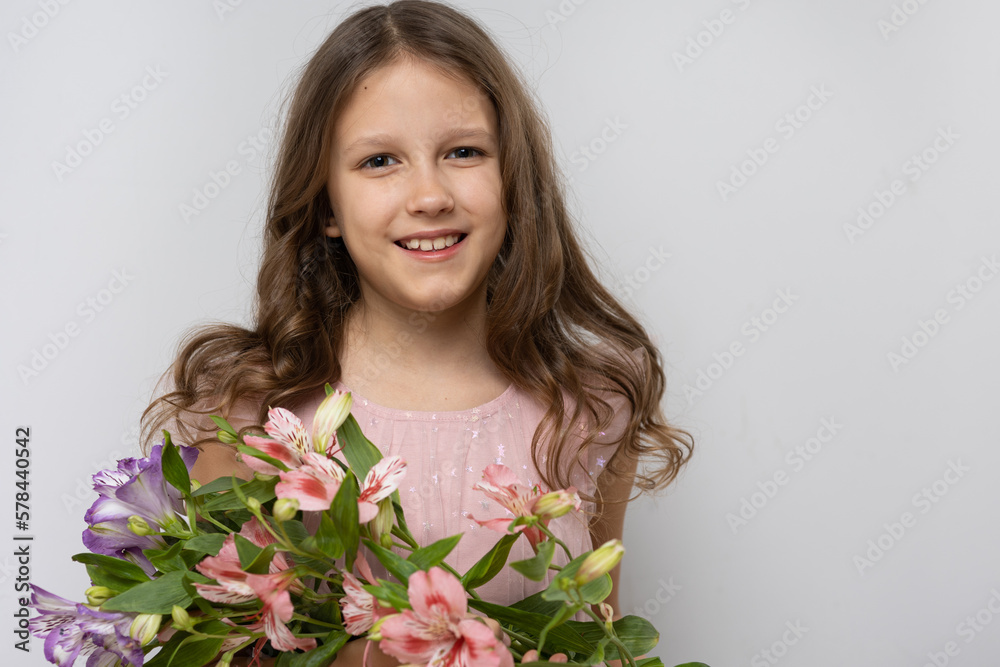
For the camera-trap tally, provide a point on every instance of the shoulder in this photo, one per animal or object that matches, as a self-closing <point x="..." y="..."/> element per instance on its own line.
<point x="217" y="459"/>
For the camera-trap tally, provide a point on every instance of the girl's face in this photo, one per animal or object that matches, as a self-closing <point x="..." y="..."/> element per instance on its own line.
<point x="415" y="163"/>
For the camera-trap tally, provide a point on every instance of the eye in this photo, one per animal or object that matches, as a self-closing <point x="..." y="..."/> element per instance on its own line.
<point x="466" y="152"/>
<point x="377" y="162"/>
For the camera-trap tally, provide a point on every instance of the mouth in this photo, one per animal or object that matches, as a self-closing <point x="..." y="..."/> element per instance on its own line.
<point x="431" y="245"/>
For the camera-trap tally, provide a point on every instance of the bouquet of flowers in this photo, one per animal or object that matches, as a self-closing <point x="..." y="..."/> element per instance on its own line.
<point x="184" y="575"/>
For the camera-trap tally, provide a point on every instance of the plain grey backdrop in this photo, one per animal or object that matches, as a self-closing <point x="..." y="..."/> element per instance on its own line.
<point x="797" y="198"/>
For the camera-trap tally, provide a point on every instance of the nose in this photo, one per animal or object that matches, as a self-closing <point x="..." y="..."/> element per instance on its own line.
<point x="431" y="193"/>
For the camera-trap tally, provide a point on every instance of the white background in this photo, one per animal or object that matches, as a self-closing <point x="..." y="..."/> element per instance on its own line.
<point x="663" y="133"/>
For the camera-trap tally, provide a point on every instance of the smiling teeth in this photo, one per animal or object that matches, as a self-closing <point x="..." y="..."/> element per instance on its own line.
<point x="431" y="244"/>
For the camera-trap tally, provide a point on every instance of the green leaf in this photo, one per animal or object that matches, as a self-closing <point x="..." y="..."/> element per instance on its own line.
<point x="536" y="568"/>
<point x="538" y="605"/>
<point x="300" y="537"/>
<point x="174" y="470"/>
<point x="593" y="592"/>
<point x="597" y="657"/>
<point x="360" y="453"/>
<point x="400" y="529"/>
<point x="257" y="454"/>
<point x="398" y="566"/>
<point x="209" y="544"/>
<point x="636" y="633"/>
<point x="259" y="489"/>
<point x="184" y="650"/>
<point x="261" y="563"/>
<point x="247" y="550"/>
<point x="327" y="612"/>
<point x="322" y="654"/>
<point x="215" y="486"/>
<point x="167" y="560"/>
<point x="153" y="597"/>
<point x="327" y="538"/>
<point x="99" y="577"/>
<point x="224" y="425"/>
<point x="433" y="554"/>
<point x="392" y="594"/>
<point x="557" y="619"/>
<point x="113" y="569"/>
<point x="489" y="565"/>
<point x="345" y="516"/>
<point x="656" y="662"/>
<point x="562" y="638"/>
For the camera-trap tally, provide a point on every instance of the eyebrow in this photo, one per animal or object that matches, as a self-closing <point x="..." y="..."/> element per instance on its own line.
<point x="380" y="139"/>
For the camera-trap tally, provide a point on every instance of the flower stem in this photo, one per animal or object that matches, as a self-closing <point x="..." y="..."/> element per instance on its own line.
<point x="555" y="539"/>
<point x="519" y="637"/>
<point x="313" y="621"/>
<point x="208" y="517"/>
<point x="622" y="651"/>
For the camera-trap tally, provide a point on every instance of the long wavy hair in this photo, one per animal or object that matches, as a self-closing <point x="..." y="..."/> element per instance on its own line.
<point x="551" y="326"/>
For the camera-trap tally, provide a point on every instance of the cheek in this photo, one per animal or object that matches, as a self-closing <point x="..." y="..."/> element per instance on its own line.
<point x="484" y="194"/>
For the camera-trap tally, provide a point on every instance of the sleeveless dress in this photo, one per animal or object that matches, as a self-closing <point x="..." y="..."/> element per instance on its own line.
<point x="446" y="453"/>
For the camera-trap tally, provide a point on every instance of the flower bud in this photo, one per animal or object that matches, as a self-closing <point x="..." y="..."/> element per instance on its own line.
<point x="557" y="503"/>
<point x="285" y="509"/>
<point x="145" y="627"/>
<point x="253" y="505"/>
<point x="226" y="437"/>
<point x="608" y="613"/>
<point x="98" y="595"/>
<point x="195" y="485"/>
<point x="330" y="414"/>
<point x="381" y="525"/>
<point x="182" y="620"/>
<point x="139" y="526"/>
<point x="600" y="562"/>
<point x="375" y="633"/>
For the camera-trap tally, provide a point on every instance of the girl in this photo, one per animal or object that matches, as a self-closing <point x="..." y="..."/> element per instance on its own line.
<point x="418" y="253"/>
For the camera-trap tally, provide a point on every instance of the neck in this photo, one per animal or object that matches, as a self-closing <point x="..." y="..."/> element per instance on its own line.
<point x="395" y="351"/>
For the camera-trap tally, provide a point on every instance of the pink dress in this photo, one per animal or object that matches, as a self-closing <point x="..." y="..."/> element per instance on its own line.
<point x="446" y="453"/>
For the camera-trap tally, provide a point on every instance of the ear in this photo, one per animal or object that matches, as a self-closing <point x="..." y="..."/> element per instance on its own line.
<point x="332" y="228"/>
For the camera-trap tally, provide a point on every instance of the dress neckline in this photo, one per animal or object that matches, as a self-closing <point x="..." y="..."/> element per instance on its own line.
<point x="483" y="410"/>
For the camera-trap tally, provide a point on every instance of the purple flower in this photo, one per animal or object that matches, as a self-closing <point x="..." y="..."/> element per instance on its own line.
<point x="136" y="488"/>
<point x="71" y="630"/>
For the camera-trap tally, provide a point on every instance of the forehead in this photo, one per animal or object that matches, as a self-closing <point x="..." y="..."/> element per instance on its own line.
<point x="413" y="97"/>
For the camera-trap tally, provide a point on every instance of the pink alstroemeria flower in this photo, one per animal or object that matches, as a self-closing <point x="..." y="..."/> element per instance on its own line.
<point x="225" y="567"/>
<point x="438" y="632"/>
<point x="382" y="479"/>
<point x="315" y="483"/>
<point x="272" y="589"/>
<point x="359" y="608"/>
<point x="289" y="442"/>
<point x="236" y="586"/>
<point x="503" y="486"/>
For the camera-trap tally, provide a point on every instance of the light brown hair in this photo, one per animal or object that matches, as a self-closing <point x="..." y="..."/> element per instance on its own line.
<point x="551" y="326"/>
